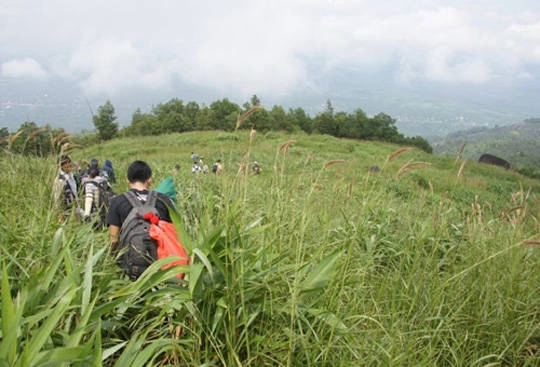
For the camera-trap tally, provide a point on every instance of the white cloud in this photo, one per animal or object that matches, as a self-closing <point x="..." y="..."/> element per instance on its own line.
<point x="23" y="68"/>
<point x="270" y="47"/>
<point x="112" y="66"/>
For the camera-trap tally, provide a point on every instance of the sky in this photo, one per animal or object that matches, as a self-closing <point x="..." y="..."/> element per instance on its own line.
<point x="280" y="50"/>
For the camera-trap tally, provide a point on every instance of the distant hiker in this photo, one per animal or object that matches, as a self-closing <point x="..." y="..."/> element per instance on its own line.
<point x="128" y="230"/>
<point x="217" y="167"/>
<point x="97" y="196"/>
<point x="167" y="185"/>
<point x="196" y="168"/>
<point x="374" y="169"/>
<point x="204" y="166"/>
<point x="108" y="172"/>
<point x="256" y="168"/>
<point x="94" y="164"/>
<point x="194" y="157"/>
<point x="65" y="189"/>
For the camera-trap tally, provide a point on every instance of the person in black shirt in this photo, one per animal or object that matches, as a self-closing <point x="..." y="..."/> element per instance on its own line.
<point x="139" y="176"/>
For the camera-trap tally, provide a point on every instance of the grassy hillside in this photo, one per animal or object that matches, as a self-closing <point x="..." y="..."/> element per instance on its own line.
<point x="519" y="144"/>
<point x="314" y="262"/>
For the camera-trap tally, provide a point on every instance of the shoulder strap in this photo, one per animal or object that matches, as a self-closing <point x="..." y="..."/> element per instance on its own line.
<point x="132" y="198"/>
<point x="137" y="208"/>
<point x="152" y="198"/>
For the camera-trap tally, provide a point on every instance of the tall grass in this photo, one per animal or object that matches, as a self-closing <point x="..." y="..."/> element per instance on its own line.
<point x="314" y="262"/>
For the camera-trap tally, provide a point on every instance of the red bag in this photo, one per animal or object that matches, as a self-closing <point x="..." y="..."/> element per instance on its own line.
<point x="168" y="241"/>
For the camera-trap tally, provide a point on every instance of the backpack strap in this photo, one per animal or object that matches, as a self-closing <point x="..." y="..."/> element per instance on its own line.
<point x="136" y="203"/>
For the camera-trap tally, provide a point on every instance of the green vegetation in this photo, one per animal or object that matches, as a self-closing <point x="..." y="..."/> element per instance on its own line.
<point x="314" y="262"/>
<point x="519" y="144"/>
<point x="175" y="117"/>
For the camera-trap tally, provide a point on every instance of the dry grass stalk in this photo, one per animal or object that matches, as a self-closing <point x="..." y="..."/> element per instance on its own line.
<point x="252" y="134"/>
<point x="406" y="168"/>
<point x="284" y="148"/>
<point x="63" y="139"/>
<point x="245" y="115"/>
<point x="531" y="243"/>
<point x="59" y="138"/>
<point x="397" y="152"/>
<point x="68" y="146"/>
<point x="309" y="158"/>
<point x="332" y="162"/>
<point x="12" y="138"/>
<point x="241" y="167"/>
<point x="35" y="132"/>
<point x="351" y="185"/>
<point x="461" y="168"/>
<point x="460" y="153"/>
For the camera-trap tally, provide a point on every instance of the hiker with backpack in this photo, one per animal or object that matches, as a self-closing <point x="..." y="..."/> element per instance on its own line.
<point x="108" y="172"/>
<point x="167" y="185"/>
<point x="97" y="195"/>
<point x="128" y="229"/>
<point x="217" y="167"/>
<point x="65" y="189"/>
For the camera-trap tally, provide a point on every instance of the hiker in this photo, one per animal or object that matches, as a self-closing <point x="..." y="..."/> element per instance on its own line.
<point x="204" y="166"/>
<point x="65" y="189"/>
<point x="194" y="157"/>
<point x="256" y="168"/>
<point x="167" y="185"/>
<point x="94" y="164"/>
<point x="93" y="201"/>
<point x="108" y="172"/>
<point x="217" y="167"/>
<point x="196" y="168"/>
<point x="139" y="177"/>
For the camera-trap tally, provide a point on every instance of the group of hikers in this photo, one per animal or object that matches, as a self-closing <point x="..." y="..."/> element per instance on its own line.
<point x="125" y="213"/>
<point x="92" y="184"/>
<point x="199" y="166"/>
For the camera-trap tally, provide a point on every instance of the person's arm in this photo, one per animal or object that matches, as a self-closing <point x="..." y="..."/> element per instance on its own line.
<point x="114" y="233"/>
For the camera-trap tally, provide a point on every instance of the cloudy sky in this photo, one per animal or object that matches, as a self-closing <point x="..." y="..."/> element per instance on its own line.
<point x="277" y="49"/>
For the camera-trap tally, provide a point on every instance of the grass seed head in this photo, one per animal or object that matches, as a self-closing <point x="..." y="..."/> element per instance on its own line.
<point x="406" y="168"/>
<point x="397" y="152"/>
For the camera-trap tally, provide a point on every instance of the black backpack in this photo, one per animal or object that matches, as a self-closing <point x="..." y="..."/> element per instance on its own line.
<point x="106" y="194"/>
<point x="137" y="249"/>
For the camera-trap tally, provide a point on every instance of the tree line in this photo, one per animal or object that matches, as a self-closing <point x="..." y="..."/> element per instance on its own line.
<point x="175" y="116"/>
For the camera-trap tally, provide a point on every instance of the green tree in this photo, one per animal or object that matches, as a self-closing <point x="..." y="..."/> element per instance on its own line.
<point x="300" y="118"/>
<point x="224" y="114"/>
<point x="105" y="121"/>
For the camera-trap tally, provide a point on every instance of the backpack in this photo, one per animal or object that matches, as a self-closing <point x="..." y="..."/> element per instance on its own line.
<point x="168" y="188"/>
<point x="214" y="168"/>
<point x="106" y="194"/>
<point x="168" y="242"/>
<point x="69" y="198"/>
<point x="137" y="249"/>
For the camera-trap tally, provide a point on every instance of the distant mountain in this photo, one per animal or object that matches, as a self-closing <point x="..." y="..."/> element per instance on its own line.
<point x="518" y="143"/>
<point x="431" y="110"/>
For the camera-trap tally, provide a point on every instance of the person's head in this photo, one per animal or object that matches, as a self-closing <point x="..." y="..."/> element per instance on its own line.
<point x="93" y="173"/>
<point x="65" y="163"/>
<point x="139" y="171"/>
<point x="176" y="168"/>
<point x="108" y="163"/>
<point x="94" y="163"/>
